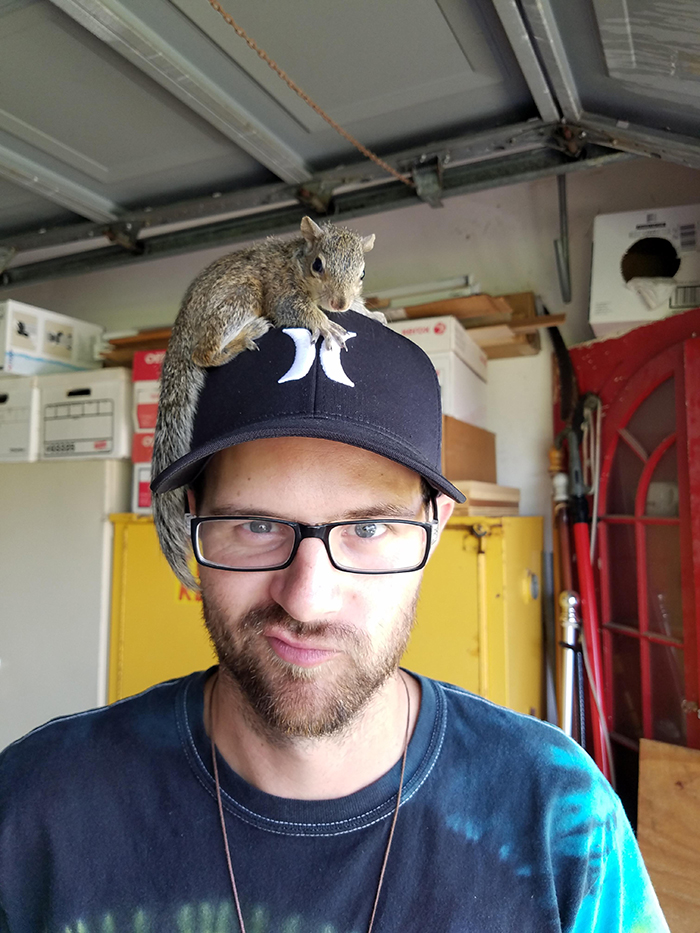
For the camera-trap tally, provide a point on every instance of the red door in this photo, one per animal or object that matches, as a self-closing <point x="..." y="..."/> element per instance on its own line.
<point x="649" y="558"/>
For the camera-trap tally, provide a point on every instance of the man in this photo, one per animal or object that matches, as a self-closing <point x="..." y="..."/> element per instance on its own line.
<point x="308" y="784"/>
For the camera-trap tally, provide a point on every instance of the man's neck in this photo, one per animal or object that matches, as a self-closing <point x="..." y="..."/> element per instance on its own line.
<point x="313" y="769"/>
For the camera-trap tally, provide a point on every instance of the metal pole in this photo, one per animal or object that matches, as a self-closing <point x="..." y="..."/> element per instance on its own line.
<point x="569" y="618"/>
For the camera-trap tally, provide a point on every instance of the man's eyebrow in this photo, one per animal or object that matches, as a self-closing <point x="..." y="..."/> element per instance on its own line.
<point x="382" y="510"/>
<point x="377" y="510"/>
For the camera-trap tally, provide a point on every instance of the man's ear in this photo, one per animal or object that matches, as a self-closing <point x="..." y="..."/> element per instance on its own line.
<point x="445" y="506"/>
<point x="191" y="504"/>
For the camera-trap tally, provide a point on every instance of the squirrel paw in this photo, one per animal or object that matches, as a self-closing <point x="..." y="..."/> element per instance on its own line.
<point x="332" y="333"/>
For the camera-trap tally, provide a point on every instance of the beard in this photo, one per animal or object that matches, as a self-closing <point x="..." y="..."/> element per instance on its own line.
<point x="290" y="701"/>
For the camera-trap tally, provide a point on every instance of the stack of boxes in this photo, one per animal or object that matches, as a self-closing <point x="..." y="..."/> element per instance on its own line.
<point x="57" y="404"/>
<point x="146" y="375"/>
<point x="468" y="449"/>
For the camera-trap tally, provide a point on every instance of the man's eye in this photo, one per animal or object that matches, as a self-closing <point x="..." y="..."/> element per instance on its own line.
<point x="260" y="528"/>
<point x="370" y="530"/>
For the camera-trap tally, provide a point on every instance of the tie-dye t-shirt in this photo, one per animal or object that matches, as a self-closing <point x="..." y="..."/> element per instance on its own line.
<point x="109" y="824"/>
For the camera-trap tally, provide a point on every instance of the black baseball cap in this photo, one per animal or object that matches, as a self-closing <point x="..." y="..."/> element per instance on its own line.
<point x="381" y="393"/>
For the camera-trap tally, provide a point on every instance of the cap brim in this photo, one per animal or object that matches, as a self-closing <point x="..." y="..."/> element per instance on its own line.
<point x="185" y="470"/>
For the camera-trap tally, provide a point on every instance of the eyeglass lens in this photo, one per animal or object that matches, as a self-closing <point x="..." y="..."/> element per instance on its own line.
<point x="258" y="544"/>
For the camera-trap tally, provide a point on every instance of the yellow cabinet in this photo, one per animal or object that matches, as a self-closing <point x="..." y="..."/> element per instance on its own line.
<point x="478" y="626"/>
<point x="157" y="630"/>
<point x="479" y="619"/>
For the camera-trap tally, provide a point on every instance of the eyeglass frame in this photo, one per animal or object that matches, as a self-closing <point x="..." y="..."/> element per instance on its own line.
<point x="322" y="532"/>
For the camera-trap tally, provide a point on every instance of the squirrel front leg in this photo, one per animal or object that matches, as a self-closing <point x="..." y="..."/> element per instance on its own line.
<point x="299" y="311"/>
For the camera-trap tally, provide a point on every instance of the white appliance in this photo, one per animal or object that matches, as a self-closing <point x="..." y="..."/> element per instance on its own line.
<point x="55" y="587"/>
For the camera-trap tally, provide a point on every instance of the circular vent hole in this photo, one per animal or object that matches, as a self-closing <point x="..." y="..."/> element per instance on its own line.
<point x="650" y="258"/>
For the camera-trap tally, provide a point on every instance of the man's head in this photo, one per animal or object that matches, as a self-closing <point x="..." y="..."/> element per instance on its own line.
<point x="308" y="645"/>
<point x="299" y="433"/>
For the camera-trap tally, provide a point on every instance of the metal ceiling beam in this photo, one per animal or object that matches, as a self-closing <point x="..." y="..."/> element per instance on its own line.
<point x="642" y="140"/>
<point x="545" y="32"/>
<point x="458" y="179"/>
<point x="43" y="181"/>
<point x="475" y="147"/>
<point x="512" y="21"/>
<point x="112" y="23"/>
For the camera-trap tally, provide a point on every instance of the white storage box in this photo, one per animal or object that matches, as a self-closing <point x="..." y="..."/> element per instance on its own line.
<point x="444" y="334"/>
<point x="141" y="488"/>
<point x="19" y="419"/>
<point x="646" y="266"/>
<point x="86" y="415"/>
<point x="35" y="341"/>
<point x="463" y="393"/>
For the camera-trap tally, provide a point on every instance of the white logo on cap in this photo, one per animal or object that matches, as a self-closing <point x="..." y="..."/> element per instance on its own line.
<point x="305" y="354"/>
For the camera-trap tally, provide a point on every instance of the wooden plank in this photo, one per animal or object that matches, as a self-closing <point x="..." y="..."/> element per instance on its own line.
<point x="530" y="325"/>
<point x="473" y="306"/>
<point x="520" y="345"/>
<point x="669" y="829"/>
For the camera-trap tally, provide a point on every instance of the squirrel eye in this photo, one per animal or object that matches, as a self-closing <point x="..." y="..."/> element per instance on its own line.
<point x="317" y="265"/>
<point x="363" y="274"/>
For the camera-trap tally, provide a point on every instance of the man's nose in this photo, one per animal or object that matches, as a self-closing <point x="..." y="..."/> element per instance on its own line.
<point x="309" y="589"/>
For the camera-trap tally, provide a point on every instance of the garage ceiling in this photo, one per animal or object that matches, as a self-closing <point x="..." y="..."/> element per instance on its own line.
<point x="132" y="129"/>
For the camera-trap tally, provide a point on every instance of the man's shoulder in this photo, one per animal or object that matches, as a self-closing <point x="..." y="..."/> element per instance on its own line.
<point x="95" y="739"/>
<point x="501" y="735"/>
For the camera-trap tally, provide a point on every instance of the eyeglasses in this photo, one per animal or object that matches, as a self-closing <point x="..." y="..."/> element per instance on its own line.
<point x="251" y="543"/>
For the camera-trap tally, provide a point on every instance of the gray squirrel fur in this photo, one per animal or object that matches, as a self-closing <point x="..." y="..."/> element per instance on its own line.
<point x="235" y="300"/>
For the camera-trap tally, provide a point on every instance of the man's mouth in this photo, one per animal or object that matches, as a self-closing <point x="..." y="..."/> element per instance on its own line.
<point x="296" y="652"/>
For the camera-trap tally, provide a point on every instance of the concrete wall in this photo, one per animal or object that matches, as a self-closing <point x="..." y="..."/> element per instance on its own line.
<point x="503" y="236"/>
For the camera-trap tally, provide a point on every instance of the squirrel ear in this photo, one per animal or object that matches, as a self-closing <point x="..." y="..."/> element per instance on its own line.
<point x="310" y="230"/>
<point x="367" y="243"/>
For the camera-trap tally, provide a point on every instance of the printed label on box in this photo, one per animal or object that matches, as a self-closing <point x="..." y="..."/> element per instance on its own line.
<point x="147" y="365"/>
<point x="25" y="332"/>
<point x="58" y="340"/>
<point x="142" y="447"/>
<point x="141" y="488"/>
<point x="144" y="493"/>
<point x="146" y="396"/>
<point x="79" y="427"/>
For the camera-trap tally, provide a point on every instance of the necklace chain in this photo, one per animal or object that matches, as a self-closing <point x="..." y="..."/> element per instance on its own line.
<point x="391" y="828"/>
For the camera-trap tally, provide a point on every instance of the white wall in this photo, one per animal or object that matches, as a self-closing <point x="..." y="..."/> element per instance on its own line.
<point x="503" y="236"/>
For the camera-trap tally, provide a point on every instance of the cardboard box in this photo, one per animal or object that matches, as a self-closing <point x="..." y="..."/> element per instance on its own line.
<point x="142" y="447"/>
<point x="36" y="341"/>
<point x="19" y="419"/>
<point x="487" y="499"/>
<point x="443" y="335"/>
<point x="141" y="488"/>
<point x="468" y="452"/>
<point x="462" y="392"/>
<point x="146" y="396"/>
<point x="146" y="375"/>
<point x="86" y="415"/>
<point x="646" y="266"/>
<point x="147" y="365"/>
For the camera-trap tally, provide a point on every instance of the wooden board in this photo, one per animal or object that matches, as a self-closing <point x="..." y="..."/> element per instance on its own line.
<point x="669" y="829"/>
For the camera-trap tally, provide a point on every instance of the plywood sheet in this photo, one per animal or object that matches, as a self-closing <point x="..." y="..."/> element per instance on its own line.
<point x="669" y="829"/>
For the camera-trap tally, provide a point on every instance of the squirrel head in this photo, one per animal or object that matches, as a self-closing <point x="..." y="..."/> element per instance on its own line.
<point x="333" y="264"/>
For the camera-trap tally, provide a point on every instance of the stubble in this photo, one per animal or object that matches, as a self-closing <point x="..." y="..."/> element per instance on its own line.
<point x="286" y="700"/>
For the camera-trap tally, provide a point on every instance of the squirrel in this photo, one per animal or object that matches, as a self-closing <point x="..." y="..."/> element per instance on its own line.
<point x="228" y="306"/>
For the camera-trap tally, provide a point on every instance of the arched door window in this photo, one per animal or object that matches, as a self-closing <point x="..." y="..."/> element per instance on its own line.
<point x="647" y="582"/>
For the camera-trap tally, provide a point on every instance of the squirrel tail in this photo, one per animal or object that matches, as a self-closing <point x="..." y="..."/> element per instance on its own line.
<point x="180" y="390"/>
<point x="169" y="519"/>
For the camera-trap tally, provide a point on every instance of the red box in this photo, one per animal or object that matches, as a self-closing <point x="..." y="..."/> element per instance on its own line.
<point x="142" y="447"/>
<point x="147" y="365"/>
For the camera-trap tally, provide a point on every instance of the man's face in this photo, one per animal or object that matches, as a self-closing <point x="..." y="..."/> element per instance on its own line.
<point x="309" y="645"/>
